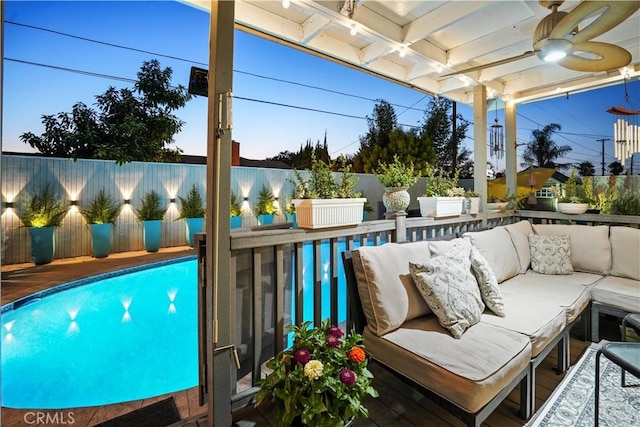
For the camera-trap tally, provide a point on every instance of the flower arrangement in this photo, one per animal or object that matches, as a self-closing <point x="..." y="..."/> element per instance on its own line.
<point x="396" y="174"/>
<point x="321" y="380"/>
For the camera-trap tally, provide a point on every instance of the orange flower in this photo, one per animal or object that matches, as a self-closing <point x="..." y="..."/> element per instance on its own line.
<point x="356" y="354"/>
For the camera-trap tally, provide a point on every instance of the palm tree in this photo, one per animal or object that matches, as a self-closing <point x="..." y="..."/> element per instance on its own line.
<point x="543" y="151"/>
<point x="586" y="168"/>
<point x="616" y="168"/>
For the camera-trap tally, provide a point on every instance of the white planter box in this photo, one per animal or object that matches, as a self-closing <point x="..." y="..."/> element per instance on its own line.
<point x="573" y="208"/>
<point x="497" y="206"/>
<point x="324" y="213"/>
<point x="471" y="205"/>
<point x="439" y="207"/>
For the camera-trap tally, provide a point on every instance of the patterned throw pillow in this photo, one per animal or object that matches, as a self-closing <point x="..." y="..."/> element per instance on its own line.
<point x="550" y="254"/>
<point x="450" y="290"/>
<point x="487" y="282"/>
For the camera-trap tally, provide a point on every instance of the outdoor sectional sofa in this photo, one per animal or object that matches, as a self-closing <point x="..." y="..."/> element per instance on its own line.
<point x="472" y="374"/>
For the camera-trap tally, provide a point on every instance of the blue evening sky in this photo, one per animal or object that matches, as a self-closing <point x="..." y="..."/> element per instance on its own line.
<point x="178" y="30"/>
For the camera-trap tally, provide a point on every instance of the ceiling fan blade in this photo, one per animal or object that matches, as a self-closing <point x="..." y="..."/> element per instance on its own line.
<point x="491" y="64"/>
<point x="607" y="14"/>
<point x="596" y="56"/>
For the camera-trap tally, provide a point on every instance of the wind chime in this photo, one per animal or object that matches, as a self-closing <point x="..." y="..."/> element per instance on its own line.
<point x="626" y="132"/>
<point x="496" y="138"/>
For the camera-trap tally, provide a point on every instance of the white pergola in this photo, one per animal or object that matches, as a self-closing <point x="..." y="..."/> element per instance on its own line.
<point x="414" y="43"/>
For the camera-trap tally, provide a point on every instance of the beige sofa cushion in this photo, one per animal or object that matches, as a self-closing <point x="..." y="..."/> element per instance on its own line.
<point x="550" y="254"/>
<point x="388" y="293"/>
<point x="618" y="292"/>
<point x="519" y="233"/>
<point x="625" y="252"/>
<point x="487" y="282"/>
<point x="496" y="247"/>
<point x="450" y="290"/>
<point x="469" y="371"/>
<point x="590" y="247"/>
<point x="538" y="319"/>
<point x="571" y="292"/>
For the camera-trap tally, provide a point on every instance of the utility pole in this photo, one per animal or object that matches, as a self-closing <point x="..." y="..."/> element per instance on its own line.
<point x="603" y="140"/>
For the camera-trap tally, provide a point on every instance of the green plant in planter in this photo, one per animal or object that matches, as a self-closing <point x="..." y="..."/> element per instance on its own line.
<point x="470" y="194"/>
<point x="440" y="185"/>
<point x="628" y="202"/>
<point x="322" y="184"/>
<point x="573" y="193"/>
<point x="43" y="210"/>
<point x="396" y="174"/>
<point x="102" y="209"/>
<point x="236" y="204"/>
<point x="150" y="209"/>
<point x="265" y="204"/>
<point x="192" y="206"/>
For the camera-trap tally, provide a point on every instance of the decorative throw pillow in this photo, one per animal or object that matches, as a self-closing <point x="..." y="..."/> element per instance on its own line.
<point x="550" y="254"/>
<point x="448" y="287"/>
<point x="487" y="282"/>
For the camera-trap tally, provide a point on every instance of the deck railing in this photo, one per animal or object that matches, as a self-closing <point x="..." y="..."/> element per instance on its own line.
<point x="286" y="276"/>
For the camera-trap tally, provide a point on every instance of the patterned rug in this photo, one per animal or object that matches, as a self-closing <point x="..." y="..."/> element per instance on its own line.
<point x="572" y="403"/>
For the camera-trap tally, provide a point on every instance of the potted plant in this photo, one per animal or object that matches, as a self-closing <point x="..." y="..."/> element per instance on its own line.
<point x="101" y="215"/>
<point x="236" y="210"/>
<point x="265" y="208"/>
<point x="573" y="200"/>
<point x="150" y="215"/>
<point x="323" y="201"/>
<point x="321" y="380"/>
<point x="442" y="197"/>
<point x="192" y="210"/>
<point x="472" y="202"/>
<point x="41" y="215"/>
<point x="396" y="177"/>
<point x="290" y="213"/>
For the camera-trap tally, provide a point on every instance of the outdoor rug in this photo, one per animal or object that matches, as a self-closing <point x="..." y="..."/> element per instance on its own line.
<point x="573" y="401"/>
<point x="159" y="414"/>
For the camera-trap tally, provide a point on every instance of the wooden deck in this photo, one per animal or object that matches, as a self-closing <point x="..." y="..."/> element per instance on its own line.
<point x="397" y="405"/>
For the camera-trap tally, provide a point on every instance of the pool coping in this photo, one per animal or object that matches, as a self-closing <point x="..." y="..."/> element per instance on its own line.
<point x="19" y="302"/>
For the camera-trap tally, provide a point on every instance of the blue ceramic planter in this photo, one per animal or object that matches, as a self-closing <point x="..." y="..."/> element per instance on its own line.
<point x="101" y="241"/>
<point x="43" y="244"/>
<point x="292" y="219"/>
<point x="265" y="219"/>
<point x="236" y="222"/>
<point x="194" y="225"/>
<point x="152" y="234"/>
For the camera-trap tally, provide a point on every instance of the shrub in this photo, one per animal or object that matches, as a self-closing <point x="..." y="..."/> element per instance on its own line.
<point x="43" y="210"/>
<point x="103" y="209"/>
<point x="192" y="206"/>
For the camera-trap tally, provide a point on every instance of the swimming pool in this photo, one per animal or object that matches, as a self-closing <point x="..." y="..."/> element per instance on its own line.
<point x="121" y="338"/>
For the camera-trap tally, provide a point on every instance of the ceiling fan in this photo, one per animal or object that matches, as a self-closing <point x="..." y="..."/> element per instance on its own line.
<point x="560" y="37"/>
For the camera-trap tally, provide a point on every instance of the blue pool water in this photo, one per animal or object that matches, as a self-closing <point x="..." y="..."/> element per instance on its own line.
<point x="122" y="338"/>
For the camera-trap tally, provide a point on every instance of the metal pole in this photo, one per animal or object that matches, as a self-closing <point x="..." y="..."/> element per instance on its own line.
<point x="603" y="140"/>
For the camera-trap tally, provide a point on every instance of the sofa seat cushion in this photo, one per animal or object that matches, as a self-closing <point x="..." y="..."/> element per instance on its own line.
<point x="618" y="292"/>
<point x="389" y="296"/>
<point x="541" y="321"/>
<point x="625" y="249"/>
<point x="496" y="247"/>
<point x="469" y="371"/>
<point x="590" y="246"/>
<point x="572" y="292"/>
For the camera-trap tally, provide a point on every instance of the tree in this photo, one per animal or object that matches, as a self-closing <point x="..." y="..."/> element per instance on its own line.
<point x="437" y="129"/>
<point x="543" y="151"/>
<point x="302" y="159"/>
<point x="386" y="139"/>
<point x="616" y="168"/>
<point x="586" y="169"/>
<point x="129" y="124"/>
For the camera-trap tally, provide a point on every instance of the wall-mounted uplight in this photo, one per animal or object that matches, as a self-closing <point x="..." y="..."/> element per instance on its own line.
<point x="8" y="205"/>
<point x="172" y="200"/>
<point x="74" y="203"/>
<point x="127" y="201"/>
<point x="286" y="4"/>
<point x="246" y="199"/>
<point x="354" y="29"/>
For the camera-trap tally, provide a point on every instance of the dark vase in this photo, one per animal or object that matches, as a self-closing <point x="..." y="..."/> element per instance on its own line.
<point x="43" y="244"/>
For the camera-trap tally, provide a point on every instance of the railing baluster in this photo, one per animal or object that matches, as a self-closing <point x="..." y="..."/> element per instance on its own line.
<point x="258" y="325"/>
<point x="333" y="249"/>
<point x="279" y="299"/>
<point x="317" y="282"/>
<point x="299" y="285"/>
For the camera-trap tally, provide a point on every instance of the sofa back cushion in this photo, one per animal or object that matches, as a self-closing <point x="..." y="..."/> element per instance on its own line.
<point x="388" y="294"/>
<point x="590" y="247"/>
<point x="496" y="247"/>
<point x="519" y="233"/>
<point x="625" y="252"/>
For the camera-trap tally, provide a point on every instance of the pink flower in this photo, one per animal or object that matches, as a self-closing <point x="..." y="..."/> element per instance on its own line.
<point x="347" y="377"/>
<point x="302" y="356"/>
<point x="332" y="341"/>
<point x="334" y="331"/>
